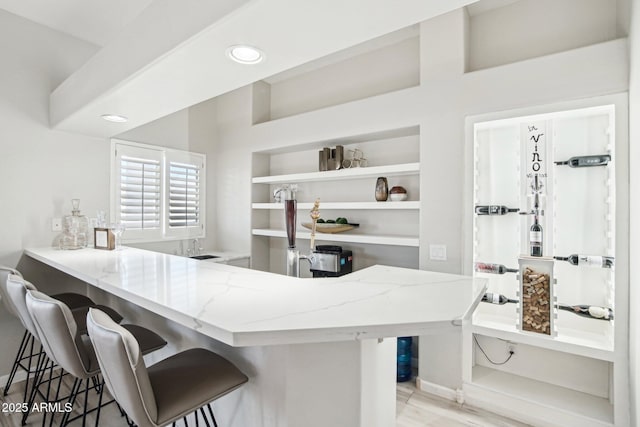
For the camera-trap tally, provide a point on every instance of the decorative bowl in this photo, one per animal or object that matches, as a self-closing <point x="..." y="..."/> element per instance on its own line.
<point x="398" y="197"/>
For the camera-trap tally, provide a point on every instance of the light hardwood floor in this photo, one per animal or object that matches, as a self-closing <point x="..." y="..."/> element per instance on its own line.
<point x="414" y="409"/>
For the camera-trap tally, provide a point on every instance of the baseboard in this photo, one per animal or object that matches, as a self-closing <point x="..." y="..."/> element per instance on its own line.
<point x="438" y="390"/>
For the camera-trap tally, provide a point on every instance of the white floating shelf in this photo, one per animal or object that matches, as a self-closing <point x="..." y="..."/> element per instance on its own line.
<point x="573" y="341"/>
<point x="342" y="237"/>
<point x="338" y="175"/>
<point x="516" y="392"/>
<point x="408" y="205"/>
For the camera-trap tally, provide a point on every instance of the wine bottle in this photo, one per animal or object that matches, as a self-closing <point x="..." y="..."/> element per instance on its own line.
<point x="588" y="260"/>
<point x="494" y="210"/>
<point x="535" y="237"/>
<point x="493" y="268"/>
<point x="500" y="299"/>
<point x="591" y="311"/>
<point x="586" y="161"/>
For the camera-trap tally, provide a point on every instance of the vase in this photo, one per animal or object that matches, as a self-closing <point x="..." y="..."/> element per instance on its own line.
<point x="382" y="189"/>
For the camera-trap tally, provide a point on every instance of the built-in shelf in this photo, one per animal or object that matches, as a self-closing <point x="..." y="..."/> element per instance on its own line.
<point x="581" y="408"/>
<point x="568" y="340"/>
<point x="342" y="237"/>
<point x="341" y="174"/>
<point x="408" y="205"/>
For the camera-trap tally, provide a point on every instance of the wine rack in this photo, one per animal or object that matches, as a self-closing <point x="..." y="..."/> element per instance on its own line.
<point x="578" y="211"/>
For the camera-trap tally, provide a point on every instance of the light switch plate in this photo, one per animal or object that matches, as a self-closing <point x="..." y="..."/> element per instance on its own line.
<point x="56" y="224"/>
<point x="438" y="252"/>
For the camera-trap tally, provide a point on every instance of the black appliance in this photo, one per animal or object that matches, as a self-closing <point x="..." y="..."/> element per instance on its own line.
<point x="331" y="261"/>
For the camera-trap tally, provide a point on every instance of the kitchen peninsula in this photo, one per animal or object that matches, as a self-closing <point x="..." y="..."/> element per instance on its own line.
<point x="320" y="351"/>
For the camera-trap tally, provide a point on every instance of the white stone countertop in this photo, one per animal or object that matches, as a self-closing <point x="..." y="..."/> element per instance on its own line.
<point x="243" y="307"/>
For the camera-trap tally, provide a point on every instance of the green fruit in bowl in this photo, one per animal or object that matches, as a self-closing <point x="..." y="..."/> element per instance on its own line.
<point x="330" y="221"/>
<point x="342" y="221"/>
<point x="320" y="221"/>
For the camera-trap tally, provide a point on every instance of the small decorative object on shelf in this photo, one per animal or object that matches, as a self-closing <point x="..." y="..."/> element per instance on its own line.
<point x="536" y="295"/>
<point x="499" y="299"/>
<point x="323" y="159"/>
<point x="382" y="189"/>
<point x="75" y="228"/>
<point x="357" y="159"/>
<point x="588" y="260"/>
<point x="586" y="161"/>
<point x="482" y="267"/>
<point x="330" y="158"/>
<point x="494" y="210"/>
<point x="590" y="311"/>
<point x="398" y="194"/>
<point x="104" y="238"/>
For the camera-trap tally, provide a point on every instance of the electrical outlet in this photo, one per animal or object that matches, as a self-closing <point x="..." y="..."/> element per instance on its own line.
<point x="56" y="224"/>
<point x="438" y="252"/>
<point x="511" y="347"/>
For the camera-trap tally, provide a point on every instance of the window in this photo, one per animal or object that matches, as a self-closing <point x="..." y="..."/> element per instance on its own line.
<point x="157" y="193"/>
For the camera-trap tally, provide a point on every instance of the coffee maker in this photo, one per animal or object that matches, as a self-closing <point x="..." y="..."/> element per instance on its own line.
<point x="331" y="261"/>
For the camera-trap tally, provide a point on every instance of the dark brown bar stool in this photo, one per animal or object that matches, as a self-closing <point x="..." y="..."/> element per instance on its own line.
<point x="182" y="384"/>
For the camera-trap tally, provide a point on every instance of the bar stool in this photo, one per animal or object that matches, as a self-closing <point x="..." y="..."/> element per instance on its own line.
<point x="25" y="355"/>
<point x="63" y="343"/>
<point x="17" y="289"/>
<point x="167" y="391"/>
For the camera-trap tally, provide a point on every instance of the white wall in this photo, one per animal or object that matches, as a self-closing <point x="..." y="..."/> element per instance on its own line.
<point x="344" y="81"/>
<point x="634" y="195"/>
<point x="531" y="28"/>
<point x="40" y="170"/>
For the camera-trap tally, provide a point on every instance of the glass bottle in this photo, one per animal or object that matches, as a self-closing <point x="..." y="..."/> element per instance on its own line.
<point x="483" y="267"/>
<point x="75" y="228"/>
<point x="499" y="299"/>
<point x="588" y="260"/>
<point x="494" y="210"/>
<point x="586" y="161"/>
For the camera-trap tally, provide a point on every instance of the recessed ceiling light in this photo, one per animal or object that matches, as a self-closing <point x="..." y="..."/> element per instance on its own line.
<point x="114" y="118"/>
<point x="245" y="54"/>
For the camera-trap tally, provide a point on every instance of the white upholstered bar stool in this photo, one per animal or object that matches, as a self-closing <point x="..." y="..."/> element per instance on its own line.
<point x="28" y="351"/>
<point x="54" y="324"/>
<point x="167" y="391"/>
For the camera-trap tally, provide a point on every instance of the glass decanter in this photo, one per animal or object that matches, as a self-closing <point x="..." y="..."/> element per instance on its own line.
<point x="75" y="228"/>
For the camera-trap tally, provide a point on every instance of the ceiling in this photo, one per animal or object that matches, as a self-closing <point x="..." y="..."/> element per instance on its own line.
<point x="158" y="57"/>
<point x="95" y="21"/>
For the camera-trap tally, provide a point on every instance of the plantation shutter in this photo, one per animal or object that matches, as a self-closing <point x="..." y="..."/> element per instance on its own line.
<point x="139" y="193"/>
<point x="184" y="195"/>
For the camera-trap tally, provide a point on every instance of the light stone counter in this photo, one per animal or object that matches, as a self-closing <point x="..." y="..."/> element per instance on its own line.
<point x="243" y="307"/>
<point x="312" y="347"/>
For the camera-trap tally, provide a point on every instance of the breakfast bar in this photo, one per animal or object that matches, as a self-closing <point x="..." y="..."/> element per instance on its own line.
<point x="319" y="351"/>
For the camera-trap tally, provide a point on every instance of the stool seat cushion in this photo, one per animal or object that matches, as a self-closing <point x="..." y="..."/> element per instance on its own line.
<point x="188" y="380"/>
<point x="148" y="340"/>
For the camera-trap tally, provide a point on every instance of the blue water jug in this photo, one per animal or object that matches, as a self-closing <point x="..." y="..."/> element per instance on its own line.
<point x="403" y="372"/>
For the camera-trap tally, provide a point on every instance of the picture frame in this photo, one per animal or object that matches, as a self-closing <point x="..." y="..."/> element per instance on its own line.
<point x="104" y="239"/>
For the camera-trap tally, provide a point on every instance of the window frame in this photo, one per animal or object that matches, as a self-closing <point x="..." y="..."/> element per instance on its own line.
<point x="166" y="156"/>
